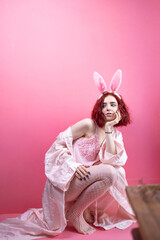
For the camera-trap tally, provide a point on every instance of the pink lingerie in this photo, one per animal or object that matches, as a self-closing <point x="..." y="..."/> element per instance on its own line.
<point x="86" y="150"/>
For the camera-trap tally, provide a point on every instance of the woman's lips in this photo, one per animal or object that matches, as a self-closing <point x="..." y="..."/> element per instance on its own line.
<point x="109" y="114"/>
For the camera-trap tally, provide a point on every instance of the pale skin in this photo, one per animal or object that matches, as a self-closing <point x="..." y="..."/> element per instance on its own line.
<point x="86" y="128"/>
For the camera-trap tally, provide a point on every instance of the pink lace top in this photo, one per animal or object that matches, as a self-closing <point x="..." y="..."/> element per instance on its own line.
<point x="86" y="149"/>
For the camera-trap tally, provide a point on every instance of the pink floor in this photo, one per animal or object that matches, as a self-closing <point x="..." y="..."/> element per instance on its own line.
<point x="70" y="232"/>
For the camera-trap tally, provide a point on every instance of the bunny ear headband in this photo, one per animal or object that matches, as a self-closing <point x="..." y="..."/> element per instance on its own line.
<point x="114" y="84"/>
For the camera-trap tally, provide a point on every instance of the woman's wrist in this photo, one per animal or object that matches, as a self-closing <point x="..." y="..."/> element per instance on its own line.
<point x="108" y="132"/>
<point x="108" y="129"/>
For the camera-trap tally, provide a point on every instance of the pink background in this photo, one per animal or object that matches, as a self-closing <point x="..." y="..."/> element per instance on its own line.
<point x="48" y="52"/>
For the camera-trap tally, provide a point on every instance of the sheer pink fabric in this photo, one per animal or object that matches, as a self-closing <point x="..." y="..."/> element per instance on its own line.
<point x="111" y="210"/>
<point x="85" y="150"/>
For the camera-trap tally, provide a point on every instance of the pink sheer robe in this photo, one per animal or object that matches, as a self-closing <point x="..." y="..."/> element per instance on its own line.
<point x="61" y="161"/>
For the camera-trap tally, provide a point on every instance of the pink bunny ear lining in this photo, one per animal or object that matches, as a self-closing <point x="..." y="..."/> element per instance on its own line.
<point x="116" y="81"/>
<point x="99" y="81"/>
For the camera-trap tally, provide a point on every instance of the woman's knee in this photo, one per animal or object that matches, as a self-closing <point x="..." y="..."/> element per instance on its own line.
<point x="109" y="173"/>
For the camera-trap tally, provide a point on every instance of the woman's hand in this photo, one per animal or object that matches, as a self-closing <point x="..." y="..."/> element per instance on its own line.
<point x="110" y="124"/>
<point x="82" y="172"/>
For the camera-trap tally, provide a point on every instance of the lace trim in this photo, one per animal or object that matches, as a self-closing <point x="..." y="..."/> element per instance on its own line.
<point x="88" y="147"/>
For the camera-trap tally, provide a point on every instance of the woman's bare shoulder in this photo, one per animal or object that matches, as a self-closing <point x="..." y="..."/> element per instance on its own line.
<point x="83" y="128"/>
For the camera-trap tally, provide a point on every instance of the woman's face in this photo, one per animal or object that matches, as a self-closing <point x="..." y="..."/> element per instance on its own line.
<point x="109" y="107"/>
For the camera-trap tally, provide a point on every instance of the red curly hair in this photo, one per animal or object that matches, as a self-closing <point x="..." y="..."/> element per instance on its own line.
<point x="99" y="117"/>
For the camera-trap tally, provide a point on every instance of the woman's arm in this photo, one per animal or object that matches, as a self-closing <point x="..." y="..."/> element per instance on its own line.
<point x="110" y="146"/>
<point x="118" y="159"/>
<point x="85" y="127"/>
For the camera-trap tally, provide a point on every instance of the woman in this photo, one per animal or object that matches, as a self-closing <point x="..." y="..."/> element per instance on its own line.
<point x="92" y="181"/>
<point x="95" y="188"/>
<point x="85" y="178"/>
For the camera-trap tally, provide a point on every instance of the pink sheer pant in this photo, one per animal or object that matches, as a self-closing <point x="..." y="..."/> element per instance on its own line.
<point x="85" y="192"/>
<point x="98" y="173"/>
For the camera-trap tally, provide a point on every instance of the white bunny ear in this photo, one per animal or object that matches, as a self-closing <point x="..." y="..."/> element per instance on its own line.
<point x="99" y="81"/>
<point x="116" y="81"/>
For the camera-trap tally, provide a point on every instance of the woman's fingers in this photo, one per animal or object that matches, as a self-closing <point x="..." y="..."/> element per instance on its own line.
<point x="118" y="117"/>
<point x="82" y="172"/>
<point x="78" y="176"/>
<point x="84" y="168"/>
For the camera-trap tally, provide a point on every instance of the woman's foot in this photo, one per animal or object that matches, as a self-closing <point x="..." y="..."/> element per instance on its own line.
<point x="88" y="217"/>
<point x="79" y="223"/>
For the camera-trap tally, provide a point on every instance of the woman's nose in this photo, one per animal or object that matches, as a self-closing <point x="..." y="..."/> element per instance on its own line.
<point x="108" y="108"/>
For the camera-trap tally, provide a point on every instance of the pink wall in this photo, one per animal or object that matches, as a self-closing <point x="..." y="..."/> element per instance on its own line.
<point x="49" y="50"/>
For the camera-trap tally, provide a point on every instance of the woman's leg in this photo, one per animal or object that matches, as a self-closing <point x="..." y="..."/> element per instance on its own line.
<point x="86" y="192"/>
